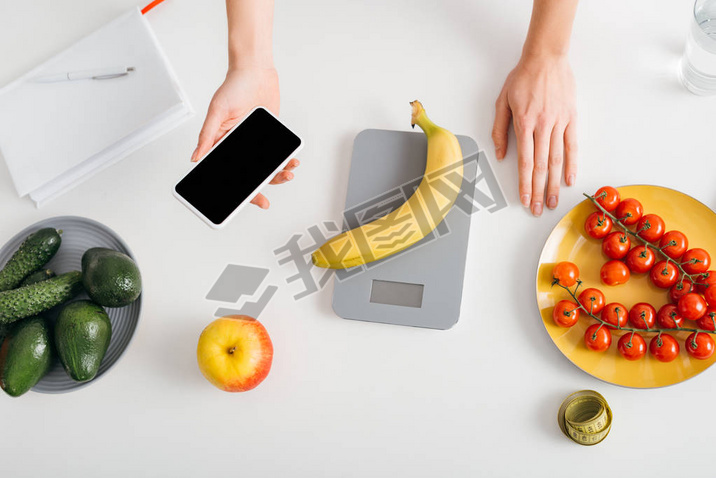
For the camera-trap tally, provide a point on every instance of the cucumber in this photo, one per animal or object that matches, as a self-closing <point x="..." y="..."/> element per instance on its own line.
<point x="33" y="299"/>
<point x="38" y="276"/>
<point x="33" y="253"/>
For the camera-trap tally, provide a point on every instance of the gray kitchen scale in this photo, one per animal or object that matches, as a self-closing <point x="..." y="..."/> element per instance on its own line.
<point x="422" y="285"/>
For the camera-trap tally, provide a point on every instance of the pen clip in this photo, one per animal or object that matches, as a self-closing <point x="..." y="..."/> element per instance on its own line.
<point x="109" y="77"/>
<point x="114" y="75"/>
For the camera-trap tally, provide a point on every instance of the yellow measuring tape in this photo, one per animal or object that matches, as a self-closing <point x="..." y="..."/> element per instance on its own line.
<point x="585" y="417"/>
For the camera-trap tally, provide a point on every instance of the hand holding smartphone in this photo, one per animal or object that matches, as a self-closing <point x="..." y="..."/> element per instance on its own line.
<point x="237" y="167"/>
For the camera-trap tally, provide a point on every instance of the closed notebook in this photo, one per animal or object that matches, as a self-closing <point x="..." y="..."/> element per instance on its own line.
<point x="55" y="135"/>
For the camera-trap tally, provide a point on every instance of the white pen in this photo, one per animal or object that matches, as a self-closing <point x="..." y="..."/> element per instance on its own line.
<point x="98" y="74"/>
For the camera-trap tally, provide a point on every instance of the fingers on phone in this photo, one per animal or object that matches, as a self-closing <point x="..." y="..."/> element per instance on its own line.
<point x="282" y="177"/>
<point x="261" y="201"/>
<point x="212" y="123"/>
<point x="293" y="164"/>
<point x="224" y="128"/>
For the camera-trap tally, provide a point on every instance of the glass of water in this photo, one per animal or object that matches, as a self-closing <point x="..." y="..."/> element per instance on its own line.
<point x="698" y="65"/>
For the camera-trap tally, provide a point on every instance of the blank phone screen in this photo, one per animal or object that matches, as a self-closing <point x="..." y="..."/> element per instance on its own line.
<point x="237" y="166"/>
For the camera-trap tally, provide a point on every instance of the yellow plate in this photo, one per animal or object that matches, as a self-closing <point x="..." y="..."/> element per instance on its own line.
<point x="569" y="242"/>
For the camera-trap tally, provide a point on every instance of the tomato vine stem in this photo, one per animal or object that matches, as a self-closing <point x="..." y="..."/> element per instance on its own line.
<point x="628" y="329"/>
<point x="682" y="273"/>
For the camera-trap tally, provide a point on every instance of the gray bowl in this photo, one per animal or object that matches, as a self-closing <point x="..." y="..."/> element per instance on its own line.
<point x="78" y="235"/>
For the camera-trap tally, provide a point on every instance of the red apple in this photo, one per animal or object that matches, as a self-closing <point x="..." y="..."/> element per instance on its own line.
<point x="235" y="353"/>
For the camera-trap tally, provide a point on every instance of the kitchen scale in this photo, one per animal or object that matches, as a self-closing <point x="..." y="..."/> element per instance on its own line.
<point x="422" y="285"/>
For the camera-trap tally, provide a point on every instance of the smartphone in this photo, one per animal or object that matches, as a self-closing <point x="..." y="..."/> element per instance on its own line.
<point x="237" y="167"/>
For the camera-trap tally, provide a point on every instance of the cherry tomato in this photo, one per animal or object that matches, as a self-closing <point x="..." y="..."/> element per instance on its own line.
<point x="708" y="321"/>
<point x="629" y="211"/>
<point x="593" y="300"/>
<point x="597" y="338"/>
<point x="695" y="260"/>
<point x="692" y="306"/>
<point x="565" y="313"/>
<point x="674" y="244"/>
<point x="607" y="197"/>
<point x="565" y="273"/>
<point x="615" y="314"/>
<point x="616" y="245"/>
<point x="598" y="225"/>
<point x="664" y="274"/>
<point x="710" y="296"/>
<point x="614" y="273"/>
<point x="664" y="348"/>
<point x="632" y="346"/>
<point x="668" y="317"/>
<point x="642" y="315"/>
<point x="704" y="280"/>
<point x="700" y="345"/>
<point x="651" y="227"/>
<point x="640" y="259"/>
<point x="679" y="290"/>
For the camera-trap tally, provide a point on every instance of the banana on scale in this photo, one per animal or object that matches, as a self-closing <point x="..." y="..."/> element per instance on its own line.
<point x="415" y="218"/>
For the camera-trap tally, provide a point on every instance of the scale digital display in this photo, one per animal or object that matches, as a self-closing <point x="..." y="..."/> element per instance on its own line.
<point x="396" y="293"/>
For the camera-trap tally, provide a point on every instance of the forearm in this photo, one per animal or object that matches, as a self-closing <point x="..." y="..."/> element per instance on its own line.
<point x="550" y="28"/>
<point x="250" y="33"/>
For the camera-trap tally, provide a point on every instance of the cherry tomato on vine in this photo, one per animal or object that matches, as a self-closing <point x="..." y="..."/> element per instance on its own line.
<point x="708" y="321"/>
<point x="598" y="225"/>
<point x="566" y="273"/>
<point x="705" y="280"/>
<point x="592" y="299"/>
<point x="615" y="314"/>
<point x="696" y="260"/>
<point x="632" y="346"/>
<point x="664" y="274"/>
<point x="679" y="290"/>
<point x="629" y="211"/>
<point x="597" y="338"/>
<point x="614" y="273"/>
<point x="640" y="259"/>
<point x="692" y="306"/>
<point x="700" y="345"/>
<point x="674" y="244"/>
<point x="565" y="313"/>
<point x="668" y="317"/>
<point x="642" y="315"/>
<point x="607" y="197"/>
<point x="710" y="296"/>
<point x="664" y="348"/>
<point x="650" y="227"/>
<point x="616" y="245"/>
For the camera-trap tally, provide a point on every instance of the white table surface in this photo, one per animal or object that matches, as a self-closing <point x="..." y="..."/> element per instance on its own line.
<point x="349" y="398"/>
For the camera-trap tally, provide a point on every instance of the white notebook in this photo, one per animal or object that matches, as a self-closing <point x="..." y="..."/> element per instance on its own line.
<point x="55" y="135"/>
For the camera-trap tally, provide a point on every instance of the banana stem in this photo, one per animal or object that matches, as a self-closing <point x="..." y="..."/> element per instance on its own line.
<point x="420" y="118"/>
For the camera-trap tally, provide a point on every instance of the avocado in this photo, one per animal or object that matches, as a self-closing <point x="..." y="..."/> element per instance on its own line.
<point x="39" y="276"/>
<point x="35" y="251"/>
<point x="111" y="278"/>
<point x="25" y="356"/>
<point x="82" y="336"/>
